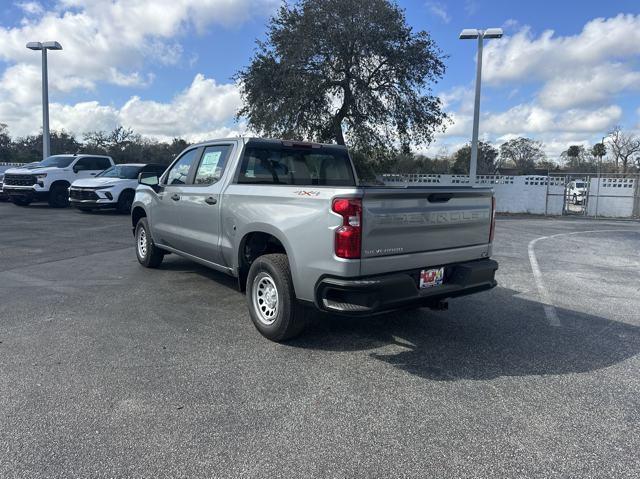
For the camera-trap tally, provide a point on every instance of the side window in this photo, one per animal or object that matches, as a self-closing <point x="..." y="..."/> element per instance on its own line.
<point x="85" y="163"/>
<point x="212" y="164"/>
<point x="101" y="163"/>
<point x="296" y="166"/>
<point x="179" y="172"/>
<point x="262" y="165"/>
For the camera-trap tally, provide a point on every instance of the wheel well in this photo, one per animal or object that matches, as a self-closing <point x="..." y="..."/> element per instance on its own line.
<point x="252" y="246"/>
<point x="137" y="213"/>
<point x="128" y="190"/>
<point x="59" y="182"/>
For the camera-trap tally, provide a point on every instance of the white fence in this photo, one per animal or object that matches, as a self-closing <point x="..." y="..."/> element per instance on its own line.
<point x="608" y="197"/>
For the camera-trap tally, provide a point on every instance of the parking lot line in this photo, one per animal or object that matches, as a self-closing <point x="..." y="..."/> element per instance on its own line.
<point x="545" y="297"/>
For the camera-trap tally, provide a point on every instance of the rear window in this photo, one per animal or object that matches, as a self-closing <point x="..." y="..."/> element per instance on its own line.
<point x="281" y="165"/>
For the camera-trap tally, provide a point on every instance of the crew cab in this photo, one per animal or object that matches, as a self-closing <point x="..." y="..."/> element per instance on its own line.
<point x="115" y="187"/>
<point x="297" y="229"/>
<point x="49" y="179"/>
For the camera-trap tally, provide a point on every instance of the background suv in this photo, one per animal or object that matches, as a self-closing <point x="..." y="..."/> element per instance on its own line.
<point x="113" y="188"/>
<point x="50" y="179"/>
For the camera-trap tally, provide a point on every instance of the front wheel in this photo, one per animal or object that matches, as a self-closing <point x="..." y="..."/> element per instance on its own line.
<point x="59" y="196"/>
<point x="148" y="254"/>
<point x="272" y="302"/>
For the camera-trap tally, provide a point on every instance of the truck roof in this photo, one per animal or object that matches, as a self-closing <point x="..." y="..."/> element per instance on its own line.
<point x="271" y="141"/>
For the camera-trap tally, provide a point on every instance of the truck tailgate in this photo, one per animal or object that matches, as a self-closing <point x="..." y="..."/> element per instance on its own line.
<point x="402" y="221"/>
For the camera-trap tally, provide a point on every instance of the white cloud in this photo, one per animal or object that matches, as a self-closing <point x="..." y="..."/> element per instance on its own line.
<point x="205" y="109"/>
<point x="31" y="8"/>
<point x="202" y="107"/>
<point x="576" y="70"/>
<point x="523" y="57"/>
<point x="113" y="41"/>
<point x="471" y="7"/>
<point x="439" y="10"/>
<point x="577" y="81"/>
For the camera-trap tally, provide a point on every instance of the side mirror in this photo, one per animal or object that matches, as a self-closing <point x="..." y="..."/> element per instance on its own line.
<point x="149" y="178"/>
<point x="77" y="168"/>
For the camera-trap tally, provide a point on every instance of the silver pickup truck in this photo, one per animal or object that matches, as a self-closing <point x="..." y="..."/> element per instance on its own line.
<point x="292" y="222"/>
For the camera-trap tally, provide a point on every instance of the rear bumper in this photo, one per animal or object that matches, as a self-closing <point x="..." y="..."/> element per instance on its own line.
<point x="380" y="293"/>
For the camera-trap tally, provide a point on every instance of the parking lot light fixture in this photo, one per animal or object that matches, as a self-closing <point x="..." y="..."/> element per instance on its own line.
<point x="480" y="35"/>
<point x="44" y="46"/>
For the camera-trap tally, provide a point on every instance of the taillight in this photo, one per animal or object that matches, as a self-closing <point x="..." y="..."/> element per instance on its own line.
<point x="348" y="236"/>
<point x="493" y="219"/>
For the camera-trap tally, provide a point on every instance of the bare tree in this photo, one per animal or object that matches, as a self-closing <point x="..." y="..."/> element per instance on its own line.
<point x="624" y="146"/>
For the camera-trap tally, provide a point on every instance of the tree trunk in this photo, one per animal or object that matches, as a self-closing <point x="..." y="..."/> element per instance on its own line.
<point x="337" y="131"/>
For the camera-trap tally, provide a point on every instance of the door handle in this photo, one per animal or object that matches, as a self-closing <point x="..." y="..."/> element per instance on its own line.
<point x="211" y="200"/>
<point x="175" y="197"/>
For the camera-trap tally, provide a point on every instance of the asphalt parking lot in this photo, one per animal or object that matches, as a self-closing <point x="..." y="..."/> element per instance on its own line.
<point x="112" y="370"/>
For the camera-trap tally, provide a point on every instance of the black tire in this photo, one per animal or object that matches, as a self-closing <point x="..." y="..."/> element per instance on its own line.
<point x="59" y="196"/>
<point x="125" y="200"/>
<point x="16" y="200"/>
<point x="150" y="256"/>
<point x="287" y="318"/>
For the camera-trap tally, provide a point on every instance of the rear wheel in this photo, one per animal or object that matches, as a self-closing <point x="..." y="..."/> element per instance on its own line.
<point x="59" y="196"/>
<point x="149" y="255"/>
<point x="272" y="302"/>
<point x="17" y="200"/>
<point x="125" y="200"/>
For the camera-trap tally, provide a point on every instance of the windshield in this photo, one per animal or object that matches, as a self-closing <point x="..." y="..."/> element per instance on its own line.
<point x="579" y="185"/>
<point x="121" y="171"/>
<point x="57" y="161"/>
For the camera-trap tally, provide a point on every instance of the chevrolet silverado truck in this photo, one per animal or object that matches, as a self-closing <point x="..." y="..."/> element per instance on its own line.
<point x="293" y="224"/>
<point x="49" y="179"/>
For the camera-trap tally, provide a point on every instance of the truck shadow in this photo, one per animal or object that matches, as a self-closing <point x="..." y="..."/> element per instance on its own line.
<point x="481" y="337"/>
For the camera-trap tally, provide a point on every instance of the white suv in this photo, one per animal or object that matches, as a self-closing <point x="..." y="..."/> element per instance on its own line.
<point x="50" y="179"/>
<point x="113" y="188"/>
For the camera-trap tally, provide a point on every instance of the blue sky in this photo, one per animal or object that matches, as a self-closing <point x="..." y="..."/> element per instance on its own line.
<point x="565" y="72"/>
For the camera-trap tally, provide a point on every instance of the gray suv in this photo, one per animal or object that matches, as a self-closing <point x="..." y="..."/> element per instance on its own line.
<point x="292" y="223"/>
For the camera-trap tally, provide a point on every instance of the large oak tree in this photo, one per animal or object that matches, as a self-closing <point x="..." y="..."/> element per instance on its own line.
<point x="345" y="71"/>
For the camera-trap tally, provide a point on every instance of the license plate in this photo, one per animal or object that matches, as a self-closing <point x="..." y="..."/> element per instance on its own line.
<point x="431" y="277"/>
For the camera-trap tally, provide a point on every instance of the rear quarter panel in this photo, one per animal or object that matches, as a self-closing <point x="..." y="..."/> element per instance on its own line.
<point x="299" y="216"/>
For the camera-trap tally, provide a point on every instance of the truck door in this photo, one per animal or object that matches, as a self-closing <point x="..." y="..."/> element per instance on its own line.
<point x="86" y="167"/>
<point x="166" y="223"/>
<point x="200" y="202"/>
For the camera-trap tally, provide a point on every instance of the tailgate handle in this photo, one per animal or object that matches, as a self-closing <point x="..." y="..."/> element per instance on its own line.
<point x="440" y="197"/>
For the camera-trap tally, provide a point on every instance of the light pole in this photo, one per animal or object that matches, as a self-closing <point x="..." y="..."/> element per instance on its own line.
<point x="472" y="34"/>
<point x="44" y="46"/>
<point x="602" y="151"/>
